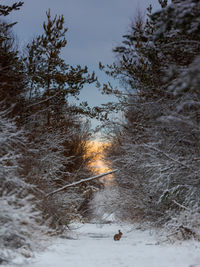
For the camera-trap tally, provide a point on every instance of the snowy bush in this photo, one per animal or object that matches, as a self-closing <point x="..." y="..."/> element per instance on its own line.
<point x="185" y="224"/>
<point x="18" y="218"/>
<point x="57" y="156"/>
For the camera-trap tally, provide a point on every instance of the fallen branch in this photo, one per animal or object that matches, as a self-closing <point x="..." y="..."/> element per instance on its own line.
<point x="79" y="182"/>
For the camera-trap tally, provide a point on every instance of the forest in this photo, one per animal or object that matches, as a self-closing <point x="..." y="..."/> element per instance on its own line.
<point x="154" y="145"/>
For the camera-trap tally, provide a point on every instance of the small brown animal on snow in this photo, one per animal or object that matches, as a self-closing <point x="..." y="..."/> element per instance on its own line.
<point x="118" y="236"/>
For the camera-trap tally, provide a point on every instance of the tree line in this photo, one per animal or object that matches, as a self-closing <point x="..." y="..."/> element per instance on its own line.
<point x="156" y="145"/>
<point x="43" y="138"/>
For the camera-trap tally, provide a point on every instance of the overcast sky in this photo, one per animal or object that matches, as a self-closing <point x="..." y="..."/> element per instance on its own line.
<point x="94" y="28"/>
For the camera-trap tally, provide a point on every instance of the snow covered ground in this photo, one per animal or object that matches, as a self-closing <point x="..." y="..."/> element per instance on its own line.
<point x="92" y="245"/>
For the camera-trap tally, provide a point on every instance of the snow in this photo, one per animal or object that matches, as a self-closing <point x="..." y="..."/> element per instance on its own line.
<point x="92" y="245"/>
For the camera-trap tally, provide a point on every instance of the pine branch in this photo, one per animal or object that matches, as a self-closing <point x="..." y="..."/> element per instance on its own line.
<point x="5" y="10"/>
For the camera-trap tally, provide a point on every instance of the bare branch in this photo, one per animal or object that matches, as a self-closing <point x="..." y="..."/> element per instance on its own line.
<point x="43" y="101"/>
<point x="80" y="182"/>
<point x="180" y="205"/>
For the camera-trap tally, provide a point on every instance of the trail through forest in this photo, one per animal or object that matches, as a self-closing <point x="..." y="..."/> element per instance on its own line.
<point x="92" y="245"/>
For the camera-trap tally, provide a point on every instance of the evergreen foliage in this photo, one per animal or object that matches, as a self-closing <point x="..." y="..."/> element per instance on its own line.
<point x="52" y="81"/>
<point x="5" y="10"/>
<point x="12" y="80"/>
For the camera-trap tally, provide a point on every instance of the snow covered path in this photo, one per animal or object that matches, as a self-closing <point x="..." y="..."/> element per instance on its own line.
<point x="93" y="246"/>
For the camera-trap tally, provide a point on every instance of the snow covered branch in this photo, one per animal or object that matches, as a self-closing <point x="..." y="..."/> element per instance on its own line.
<point x="169" y="157"/>
<point x="180" y="205"/>
<point x="80" y="182"/>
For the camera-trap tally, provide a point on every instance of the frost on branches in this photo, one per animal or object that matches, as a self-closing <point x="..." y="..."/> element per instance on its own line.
<point x="157" y="147"/>
<point x="17" y="215"/>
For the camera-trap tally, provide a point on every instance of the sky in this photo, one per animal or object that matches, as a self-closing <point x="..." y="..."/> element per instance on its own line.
<point x="95" y="27"/>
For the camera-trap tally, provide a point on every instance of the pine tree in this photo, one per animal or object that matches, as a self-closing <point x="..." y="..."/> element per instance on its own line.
<point x="11" y="69"/>
<point x="51" y="79"/>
